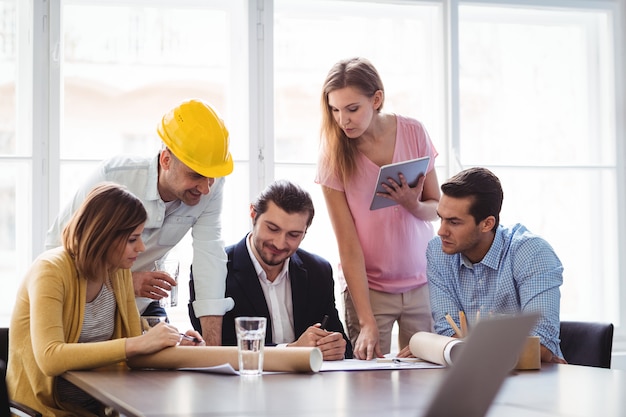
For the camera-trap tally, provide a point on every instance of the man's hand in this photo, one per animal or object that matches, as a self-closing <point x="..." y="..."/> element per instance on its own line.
<point x="332" y="344"/>
<point x="211" y="330"/>
<point x="152" y="284"/>
<point x="405" y="353"/>
<point x="548" y="356"/>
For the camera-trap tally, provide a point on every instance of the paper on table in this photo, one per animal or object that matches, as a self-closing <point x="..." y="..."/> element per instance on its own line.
<point x="374" y="364"/>
<point x="275" y="359"/>
<point x="435" y="348"/>
<point x="224" y="369"/>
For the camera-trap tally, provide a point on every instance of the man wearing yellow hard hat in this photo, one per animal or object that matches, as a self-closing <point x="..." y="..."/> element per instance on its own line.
<point x="181" y="189"/>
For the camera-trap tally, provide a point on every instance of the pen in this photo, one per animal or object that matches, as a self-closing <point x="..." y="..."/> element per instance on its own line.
<point x="399" y="360"/>
<point x="190" y="338"/>
<point x="453" y="325"/>
<point x="324" y="321"/>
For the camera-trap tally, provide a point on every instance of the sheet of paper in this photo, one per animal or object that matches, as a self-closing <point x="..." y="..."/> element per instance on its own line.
<point x="374" y="364"/>
<point x="225" y="369"/>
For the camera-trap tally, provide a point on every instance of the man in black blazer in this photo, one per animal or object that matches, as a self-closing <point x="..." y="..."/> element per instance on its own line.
<point x="269" y="276"/>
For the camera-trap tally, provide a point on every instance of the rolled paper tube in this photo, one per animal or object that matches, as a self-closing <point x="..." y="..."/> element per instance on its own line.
<point x="275" y="359"/>
<point x="435" y="348"/>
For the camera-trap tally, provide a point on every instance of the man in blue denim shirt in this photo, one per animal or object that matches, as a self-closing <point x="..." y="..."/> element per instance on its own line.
<point x="181" y="189"/>
<point x="482" y="268"/>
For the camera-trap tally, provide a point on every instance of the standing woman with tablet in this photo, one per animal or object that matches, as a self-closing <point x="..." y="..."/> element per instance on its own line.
<point x="382" y="252"/>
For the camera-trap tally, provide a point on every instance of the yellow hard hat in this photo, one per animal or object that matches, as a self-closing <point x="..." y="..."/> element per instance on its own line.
<point x="197" y="136"/>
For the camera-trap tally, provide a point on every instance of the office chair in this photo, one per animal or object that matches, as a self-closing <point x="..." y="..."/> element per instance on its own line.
<point x="8" y="407"/>
<point x="4" y="344"/>
<point x="587" y="343"/>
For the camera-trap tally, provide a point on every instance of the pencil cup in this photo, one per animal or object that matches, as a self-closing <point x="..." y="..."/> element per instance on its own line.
<point x="250" y="343"/>
<point x="171" y="266"/>
<point x="530" y="358"/>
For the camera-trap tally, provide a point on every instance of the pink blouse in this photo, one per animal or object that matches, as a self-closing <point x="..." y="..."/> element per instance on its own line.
<point x="392" y="239"/>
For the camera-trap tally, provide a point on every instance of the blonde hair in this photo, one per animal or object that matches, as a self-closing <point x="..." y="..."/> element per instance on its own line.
<point x="338" y="152"/>
<point x="99" y="229"/>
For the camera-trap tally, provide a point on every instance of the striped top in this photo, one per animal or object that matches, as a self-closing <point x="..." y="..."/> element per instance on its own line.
<point x="97" y="326"/>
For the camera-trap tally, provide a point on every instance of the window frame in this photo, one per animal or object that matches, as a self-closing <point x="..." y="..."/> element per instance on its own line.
<point x="41" y="97"/>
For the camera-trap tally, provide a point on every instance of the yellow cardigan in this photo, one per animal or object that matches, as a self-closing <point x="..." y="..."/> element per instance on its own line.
<point x="46" y="324"/>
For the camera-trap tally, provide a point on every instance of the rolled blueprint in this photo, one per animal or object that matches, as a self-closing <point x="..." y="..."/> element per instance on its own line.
<point x="435" y="348"/>
<point x="275" y="359"/>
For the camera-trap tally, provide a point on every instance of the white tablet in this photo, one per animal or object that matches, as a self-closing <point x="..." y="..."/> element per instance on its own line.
<point x="411" y="169"/>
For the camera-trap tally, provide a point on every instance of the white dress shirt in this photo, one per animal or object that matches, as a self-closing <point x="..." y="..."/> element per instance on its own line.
<point x="163" y="230"/>
<point x="278" y="299"/>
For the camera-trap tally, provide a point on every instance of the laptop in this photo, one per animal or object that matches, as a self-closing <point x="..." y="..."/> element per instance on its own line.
<point x="490" y="353"/>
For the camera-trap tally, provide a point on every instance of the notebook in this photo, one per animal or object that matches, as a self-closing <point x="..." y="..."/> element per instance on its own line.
<point x="490" y="353"/>
<point x="411" y="169"/>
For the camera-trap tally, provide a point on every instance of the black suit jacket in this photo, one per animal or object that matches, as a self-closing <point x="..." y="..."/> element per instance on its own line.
<point x="312" y="290"/>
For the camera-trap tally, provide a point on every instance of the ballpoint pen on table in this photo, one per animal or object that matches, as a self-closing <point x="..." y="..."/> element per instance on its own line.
<point x="399" y="361"/>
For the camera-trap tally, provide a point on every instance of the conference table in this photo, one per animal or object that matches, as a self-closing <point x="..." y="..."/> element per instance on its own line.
<point x="555" y="390"/>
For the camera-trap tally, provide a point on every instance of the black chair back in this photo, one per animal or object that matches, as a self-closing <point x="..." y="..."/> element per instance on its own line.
<point x="4" y="344"/>
<point x="5" y="409"/>
<point x="587" y="343"/>
<point x="10" y="408"/>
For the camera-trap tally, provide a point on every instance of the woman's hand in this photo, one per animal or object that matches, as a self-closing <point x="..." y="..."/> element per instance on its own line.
<point x="403" y="194"/>
<point x="367" y="346"/>
<point x="192" y="338"/>
<point x="156" y="338"/>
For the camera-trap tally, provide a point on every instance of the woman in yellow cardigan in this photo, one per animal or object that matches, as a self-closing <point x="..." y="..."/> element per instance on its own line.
<point x="76" y="308"/>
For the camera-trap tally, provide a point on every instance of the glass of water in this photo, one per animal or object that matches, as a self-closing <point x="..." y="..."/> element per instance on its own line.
<point x="250" y="344"/>
<point x="171" y="267"/>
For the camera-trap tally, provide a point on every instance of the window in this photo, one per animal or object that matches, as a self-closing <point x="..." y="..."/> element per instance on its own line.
<point x="303" y="55"/>
<point x="15" y="155"/>
<point x="124" y="66"/>
<point x="529" y="91"/>
<point x="537" y="107"/>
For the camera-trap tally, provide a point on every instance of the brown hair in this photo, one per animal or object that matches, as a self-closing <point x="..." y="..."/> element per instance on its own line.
<point x="338" y="153"/>
<point x="483" y="187"/>
<point x="288" y="196"/>
<point x="99" y="229"/>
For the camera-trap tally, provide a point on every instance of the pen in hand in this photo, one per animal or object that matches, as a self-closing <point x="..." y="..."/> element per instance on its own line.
<point x="324" y="321"/>
<point x="190" y="338"/>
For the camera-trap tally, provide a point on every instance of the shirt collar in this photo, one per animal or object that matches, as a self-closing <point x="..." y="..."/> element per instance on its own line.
<point x="493" y="256"/>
